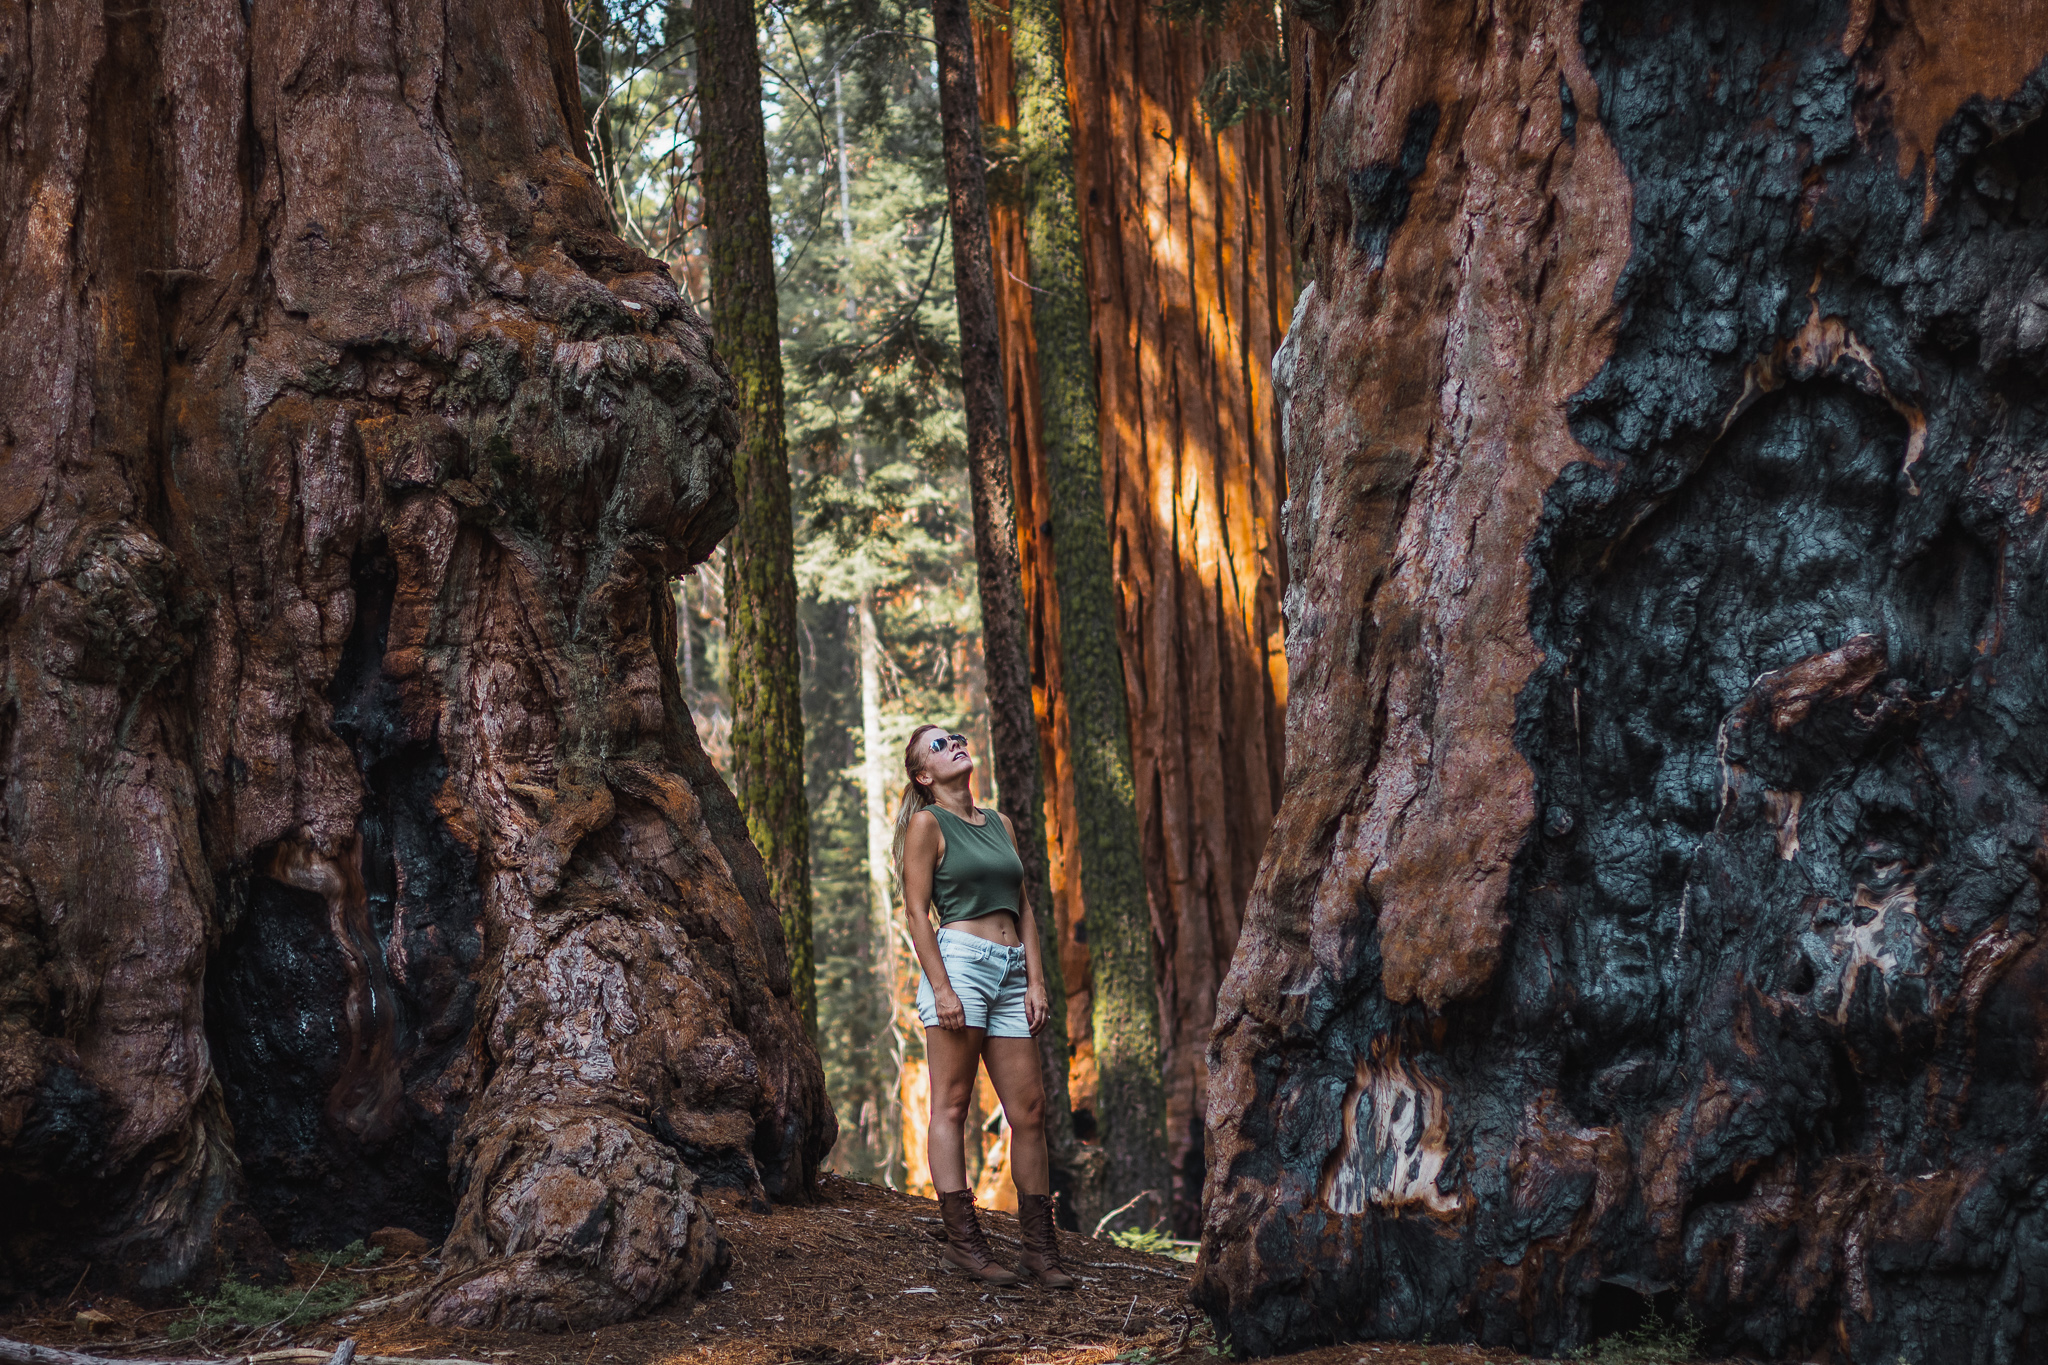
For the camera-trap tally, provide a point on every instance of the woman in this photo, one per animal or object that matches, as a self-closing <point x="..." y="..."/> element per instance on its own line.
<point x="982" y="997"/>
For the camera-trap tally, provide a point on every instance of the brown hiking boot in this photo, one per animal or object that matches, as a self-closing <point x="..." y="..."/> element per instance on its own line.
<point x="965" y="1246"/>
<point x="1041" y="1240"/>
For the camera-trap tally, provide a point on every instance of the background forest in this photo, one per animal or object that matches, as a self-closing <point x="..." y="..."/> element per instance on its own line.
<point x="889" y="617"/>
<point x="890" y="634"/>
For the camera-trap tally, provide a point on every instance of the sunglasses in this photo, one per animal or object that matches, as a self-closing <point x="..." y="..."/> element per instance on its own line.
<point x="940" y="742"/>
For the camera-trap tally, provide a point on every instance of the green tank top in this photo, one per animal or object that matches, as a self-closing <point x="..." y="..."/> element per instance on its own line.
<point x="980" y="872"/>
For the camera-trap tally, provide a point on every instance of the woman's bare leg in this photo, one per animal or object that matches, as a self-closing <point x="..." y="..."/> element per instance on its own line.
<point x="1013" y="1069"/>
<point x="952" y="1054"/>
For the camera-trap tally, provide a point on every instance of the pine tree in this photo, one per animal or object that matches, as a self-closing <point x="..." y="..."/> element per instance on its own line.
<point x="762" y="660"/>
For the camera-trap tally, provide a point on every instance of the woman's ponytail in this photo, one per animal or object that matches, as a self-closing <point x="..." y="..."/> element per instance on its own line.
<point x="915" y="796"/>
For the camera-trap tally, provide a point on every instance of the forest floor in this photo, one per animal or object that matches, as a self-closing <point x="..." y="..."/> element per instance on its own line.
<point x="855" y="1280"/>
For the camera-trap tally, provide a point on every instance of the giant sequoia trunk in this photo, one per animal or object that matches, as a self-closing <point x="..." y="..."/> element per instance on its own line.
<point x="1189" y="282"/>
<point x="1655" y="904"/>
<point x="361" y="865"/>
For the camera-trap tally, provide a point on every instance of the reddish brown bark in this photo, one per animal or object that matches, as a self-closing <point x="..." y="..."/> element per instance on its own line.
<point x="1190" y="279"/>
<point x="1654" y="908"/>
<point x="1003" y="623"/>
<point x="358" y="842"/>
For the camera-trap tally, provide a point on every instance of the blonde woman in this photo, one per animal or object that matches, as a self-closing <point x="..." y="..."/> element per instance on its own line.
<point x="982" y="996"/>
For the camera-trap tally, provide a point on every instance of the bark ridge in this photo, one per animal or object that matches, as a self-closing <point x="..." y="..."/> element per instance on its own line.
<point x="1653" y="913"/>
<point x="361" y="863"/>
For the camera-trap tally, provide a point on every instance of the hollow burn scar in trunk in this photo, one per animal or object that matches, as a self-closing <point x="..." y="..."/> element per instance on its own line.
<point x="341" y="1085"/>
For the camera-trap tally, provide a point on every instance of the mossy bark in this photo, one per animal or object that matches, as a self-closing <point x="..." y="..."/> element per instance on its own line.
<point x="1013" y="723"/>
<point x="1131" y="1099"/>
<point x="760" y="586"/>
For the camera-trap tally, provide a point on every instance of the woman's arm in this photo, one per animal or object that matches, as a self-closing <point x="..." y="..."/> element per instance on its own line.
<point x="922" y="849"/>
<point x="1037" y="1001"/>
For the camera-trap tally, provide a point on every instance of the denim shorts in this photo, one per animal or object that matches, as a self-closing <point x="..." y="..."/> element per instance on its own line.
<point x="989" y="979"/>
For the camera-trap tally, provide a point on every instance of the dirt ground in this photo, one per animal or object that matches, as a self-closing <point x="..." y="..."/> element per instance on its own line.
<point x="853" y="1281"/>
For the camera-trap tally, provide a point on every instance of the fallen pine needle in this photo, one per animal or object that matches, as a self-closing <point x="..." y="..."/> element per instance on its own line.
<point x="24" y="1353"/>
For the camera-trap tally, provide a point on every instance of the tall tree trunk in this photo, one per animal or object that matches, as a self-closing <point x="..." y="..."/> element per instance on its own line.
<point x="1053" y="376"/>
<point x="882" y="926"/>
<point x="361" y="865"/>
<point x="760" y="591"/>
<point x="875" y="767"/>
<point x="1656" y="898"/>
<point x="1189" y="284"/>
<point x="1013" y="727"/>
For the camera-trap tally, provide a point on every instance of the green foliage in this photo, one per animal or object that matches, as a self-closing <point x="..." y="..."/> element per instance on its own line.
<point x="871" y="342"/>
<point x="237" y="1307"/>
<point x="1155" y="1243"/>
<point x="636" y="62"/>
<point x="1216" y="1345"/>
<point x="1651" y="1342"/>
<point x="1009" y="177"/>
<point x="355" y="1253"/>
<point x="1233" y="92"/>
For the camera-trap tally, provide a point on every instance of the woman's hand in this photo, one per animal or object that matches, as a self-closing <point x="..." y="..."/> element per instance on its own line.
<point x="951" y="1014"/>
<point x="1037" y="1009"/>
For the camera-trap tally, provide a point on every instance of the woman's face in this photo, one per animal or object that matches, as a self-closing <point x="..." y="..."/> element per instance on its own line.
<point x="944" y="755"/>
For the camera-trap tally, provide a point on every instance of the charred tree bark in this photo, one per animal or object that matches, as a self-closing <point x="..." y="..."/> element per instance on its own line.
<point x="1655" y="905"/>
<point x="361" y="864"/>
<point x="760" y="589"/>
<point x="1189" y="279"/>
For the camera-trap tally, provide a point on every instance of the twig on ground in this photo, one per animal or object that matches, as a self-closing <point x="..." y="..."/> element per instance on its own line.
<point x="399" y="1300"/>
<point x="26" y="1353"/>
<point x="76" y="1287"/>
<point x="304" y="1355"/>
<point x="1103" y="1221"/>
<point x="1126" y="1265"/>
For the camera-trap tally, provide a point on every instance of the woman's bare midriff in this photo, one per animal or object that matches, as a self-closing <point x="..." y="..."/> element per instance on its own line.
<point x="1000" y="927"/>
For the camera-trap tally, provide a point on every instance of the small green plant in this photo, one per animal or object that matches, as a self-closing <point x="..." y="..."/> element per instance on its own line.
<point x="1154" y="1243"/>
<point x="1137" y="1355"/>
<point x="355" y="1253"/>
<point x="236" y="1307"/>
<point x="1653" y="1342"/>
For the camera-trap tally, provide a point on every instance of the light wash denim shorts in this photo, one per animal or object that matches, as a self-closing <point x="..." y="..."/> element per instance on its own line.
<point x="989" y="979"/>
